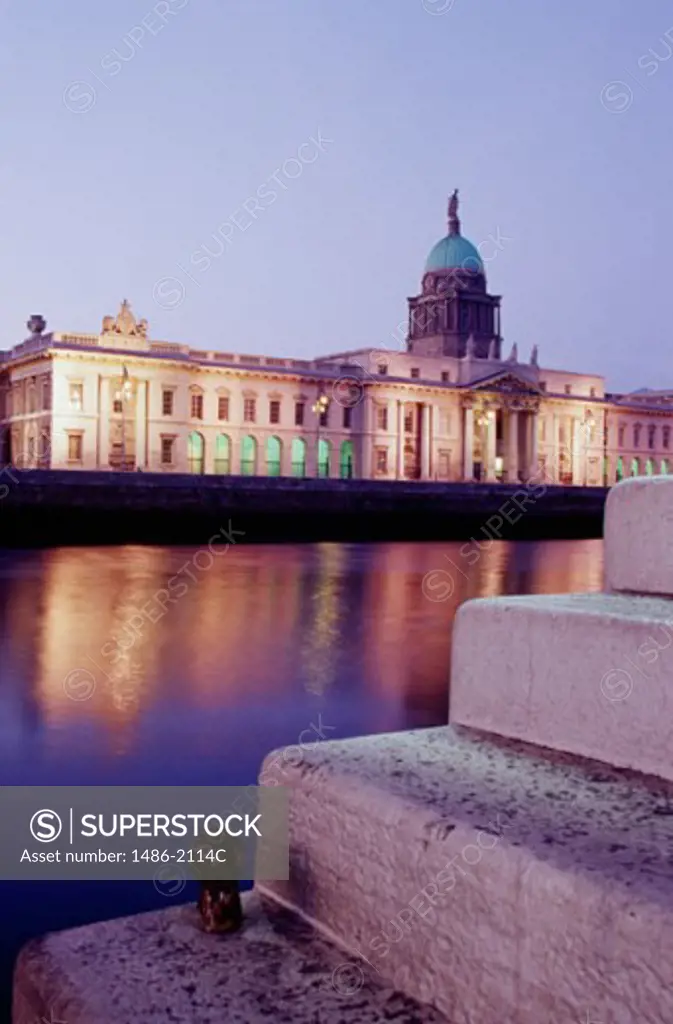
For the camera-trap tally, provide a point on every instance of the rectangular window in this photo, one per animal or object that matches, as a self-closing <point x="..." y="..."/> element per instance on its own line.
<point x="636" y="435"/>
<point x="324" y="417"/>
<point x="592" y="392"/>
<point x="446" y="377"/>
<point x="274" y="411"/>
<point x="75" y="447"/>
<point x="543" y="385"/>
<point x="666" y="436"/>
<point x="167" y="446"/>
<point x="117" y="405"/>
<point x="568" y="390"/>
<point x="620" y="436"/>
<point x="223" y="407"/>
<point x="409" y="423"/>
<point x="382" y="417"/>
<point x="299" y="414"/>
<point x="249" y="410"/>
<point x="382" y="369"/>
<point x="348" y="416"/>
<point x="167" y="402"/>
<point x="381" y="460"/>
<point x="197" y="407"/>
<point x="651" y="434"/>
<point x="76" y="397"/>
<point x="415" y="372"/>
<point x="444" y="465"/>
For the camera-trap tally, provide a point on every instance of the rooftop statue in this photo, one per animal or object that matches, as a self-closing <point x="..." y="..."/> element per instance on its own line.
<point x="454" y="223"/>
<point x="125" y="323"/>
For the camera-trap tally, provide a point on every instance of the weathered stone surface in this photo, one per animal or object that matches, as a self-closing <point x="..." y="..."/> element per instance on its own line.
<point x="499" y="882"/>
<point x="586" y="673"/>
<point x="160" y="967"/>
<point x="639" y="536"/>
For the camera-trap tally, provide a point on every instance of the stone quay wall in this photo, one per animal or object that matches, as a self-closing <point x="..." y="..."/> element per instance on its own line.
<point x="44" y="507"/>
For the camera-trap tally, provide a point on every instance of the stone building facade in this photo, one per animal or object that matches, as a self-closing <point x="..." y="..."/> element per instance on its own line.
<point x="447" y="407"/>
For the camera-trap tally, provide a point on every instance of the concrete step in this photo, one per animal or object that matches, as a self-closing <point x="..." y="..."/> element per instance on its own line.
<point x="639" y="536"/>
<point x="496" y="881"/>
<point x="160" y="967"/>
<point x="587" y="673"/>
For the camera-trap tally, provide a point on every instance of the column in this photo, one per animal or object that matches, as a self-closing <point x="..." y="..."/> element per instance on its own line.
<point x="491" y="437"/>
<point x="533" y="449"/>
<point x="141" y="426"/>
<point x="103" y="460"/>
<point x="578" y="461"/>
<point x="286" y="455"/>
<point x="425" y="441"/>
<point x="400" y="440"/>
<point x="513" y="446"/>
<point x="367" y="437"/>
<point x="468" y="443"/>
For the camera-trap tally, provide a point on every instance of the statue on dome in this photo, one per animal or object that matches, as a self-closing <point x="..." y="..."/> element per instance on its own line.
<point x="534" y="356"/>
<point x="454" y="223"/>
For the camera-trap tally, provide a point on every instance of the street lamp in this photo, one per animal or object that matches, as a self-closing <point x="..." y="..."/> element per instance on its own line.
<point x="319" y="408"/>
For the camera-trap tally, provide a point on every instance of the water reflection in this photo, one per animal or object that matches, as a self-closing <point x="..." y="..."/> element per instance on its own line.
<point x="112" y="650"/>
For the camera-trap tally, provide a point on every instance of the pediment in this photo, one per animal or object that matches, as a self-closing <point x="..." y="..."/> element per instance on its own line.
<point x="506" y="382"/>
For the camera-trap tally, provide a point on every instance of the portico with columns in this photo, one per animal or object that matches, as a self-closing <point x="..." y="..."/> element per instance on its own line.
<point x="500" y="437"/>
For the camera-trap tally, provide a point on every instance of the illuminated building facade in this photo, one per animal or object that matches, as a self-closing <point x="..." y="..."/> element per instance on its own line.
<point x="448" y="407"/>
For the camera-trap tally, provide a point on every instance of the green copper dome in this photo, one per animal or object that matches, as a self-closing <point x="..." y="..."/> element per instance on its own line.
<point x="454" y="251"/>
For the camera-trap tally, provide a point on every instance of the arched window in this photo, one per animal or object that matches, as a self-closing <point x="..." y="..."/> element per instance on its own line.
<point x="248" y="456"/>
<point x="196" y="452"/>
<point x="222" y="454"/>
<point x="324" y="448"/>
<point x="620" y="469"/>
<point x="274" y="450"/>
<point x="637" y="427"/>
<point x="346" y="460"/>
<point x="298" y="457"/>
<point x="635" y="467"/>
<point x="651" y="435"/>
<point x="649" y="467"/>
<point x="664" y="467"/>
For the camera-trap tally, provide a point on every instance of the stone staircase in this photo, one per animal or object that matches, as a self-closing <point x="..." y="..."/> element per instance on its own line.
<point x="514" y="867"/>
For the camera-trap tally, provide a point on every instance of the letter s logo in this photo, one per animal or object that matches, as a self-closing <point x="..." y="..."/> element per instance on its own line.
<point x="45" y="826"/>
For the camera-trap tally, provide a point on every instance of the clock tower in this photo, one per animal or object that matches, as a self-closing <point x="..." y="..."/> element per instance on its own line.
<point x="454" y="304"/>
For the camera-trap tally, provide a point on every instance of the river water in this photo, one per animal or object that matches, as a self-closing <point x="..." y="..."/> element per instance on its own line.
<point x="141" y="665"/>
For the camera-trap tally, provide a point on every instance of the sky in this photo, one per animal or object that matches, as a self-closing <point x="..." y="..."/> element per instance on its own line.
<point x="269" y="175"/>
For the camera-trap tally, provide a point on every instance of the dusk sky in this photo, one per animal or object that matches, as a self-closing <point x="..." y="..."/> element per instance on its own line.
<point x="553" y="120"/>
